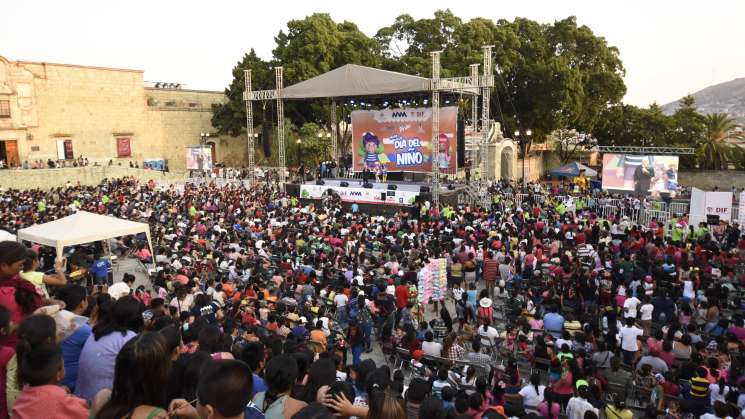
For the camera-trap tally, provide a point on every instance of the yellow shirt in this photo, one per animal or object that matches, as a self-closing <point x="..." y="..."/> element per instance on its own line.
<point x="36" y="278"/>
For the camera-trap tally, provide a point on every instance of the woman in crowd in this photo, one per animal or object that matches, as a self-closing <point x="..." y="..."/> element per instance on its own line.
<point x="140" y="378"/>
<point x="121" y="323"/>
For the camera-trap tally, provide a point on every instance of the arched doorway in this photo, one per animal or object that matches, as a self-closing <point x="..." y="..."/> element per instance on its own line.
<point x="507" y="163"/>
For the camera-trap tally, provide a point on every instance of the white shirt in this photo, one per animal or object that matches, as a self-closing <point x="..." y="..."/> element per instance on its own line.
<point x="646" y="311"/>
<point x="688" y="290"/>
<point x="340" y="300"/>
<point x="630" y="306"/>
<point x="531" y="398"/>
<point x="577" y="407"/>
<point x="629" y="336"/>
<point x="490" y="332"/>
<point x="432" y="348"/>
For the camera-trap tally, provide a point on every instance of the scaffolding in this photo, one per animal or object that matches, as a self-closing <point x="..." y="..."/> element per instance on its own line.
<point x="471" y="85"/>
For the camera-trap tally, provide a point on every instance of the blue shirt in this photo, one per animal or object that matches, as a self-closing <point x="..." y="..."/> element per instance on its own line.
<point x="553" y="323"/>
<point x="100" y="268"/>
<point x="471" y="297"/>
<point x="97" y="360"/>
<point x="71" y="349"/>
<point x="258" y="385"/>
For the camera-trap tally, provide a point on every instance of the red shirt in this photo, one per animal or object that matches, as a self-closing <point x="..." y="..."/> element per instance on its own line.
<point x="402" y="296"/>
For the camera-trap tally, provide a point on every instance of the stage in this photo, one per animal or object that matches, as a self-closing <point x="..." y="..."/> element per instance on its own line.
<point x="394" y="194"/>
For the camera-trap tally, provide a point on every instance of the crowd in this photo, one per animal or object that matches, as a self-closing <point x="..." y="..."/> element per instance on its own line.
<point x="258" y="305"/>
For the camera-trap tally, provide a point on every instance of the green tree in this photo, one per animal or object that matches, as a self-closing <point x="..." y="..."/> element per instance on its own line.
<point x="230" y="118"/>
<point x="687" y="129"/>
<point x="715" y="152"/>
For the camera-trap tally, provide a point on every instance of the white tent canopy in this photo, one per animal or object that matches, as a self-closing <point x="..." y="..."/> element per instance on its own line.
<point x="82" y="227"/>
<point x="356" y="80"/>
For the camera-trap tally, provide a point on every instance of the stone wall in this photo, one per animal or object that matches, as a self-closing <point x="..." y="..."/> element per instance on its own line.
<point x="90" y="175"/>
<point x="707" y="180"/>
<point x="90" y="107"/>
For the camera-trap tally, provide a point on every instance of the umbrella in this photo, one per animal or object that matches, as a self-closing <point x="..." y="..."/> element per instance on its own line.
<point x="571" y="170"/>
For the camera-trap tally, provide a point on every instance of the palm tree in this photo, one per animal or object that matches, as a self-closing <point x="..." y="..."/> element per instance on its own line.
<point x="716" y="152"/>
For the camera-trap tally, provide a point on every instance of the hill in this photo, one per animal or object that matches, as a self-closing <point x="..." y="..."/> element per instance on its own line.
<point x="728" y="97"/>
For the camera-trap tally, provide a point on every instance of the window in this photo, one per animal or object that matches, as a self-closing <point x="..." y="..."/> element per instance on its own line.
<point x="4" y="109"/>
<point x="123" y="147"/>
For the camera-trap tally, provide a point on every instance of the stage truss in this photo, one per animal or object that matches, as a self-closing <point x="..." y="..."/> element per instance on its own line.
<point x="470" y="85"/>
<point x="654" y="151"/>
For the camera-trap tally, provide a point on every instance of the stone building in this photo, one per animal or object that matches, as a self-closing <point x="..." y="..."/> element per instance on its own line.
<point x="62" y="112"/>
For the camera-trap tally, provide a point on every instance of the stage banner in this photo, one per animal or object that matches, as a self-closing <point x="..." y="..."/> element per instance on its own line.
<point x="199" y="158"/>
<point x="400" y="140"/>
<point x="360" y="195"/>
<point x="719" y="203"/>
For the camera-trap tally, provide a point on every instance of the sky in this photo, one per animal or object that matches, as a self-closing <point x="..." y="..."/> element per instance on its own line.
<point x="669" y="48"/>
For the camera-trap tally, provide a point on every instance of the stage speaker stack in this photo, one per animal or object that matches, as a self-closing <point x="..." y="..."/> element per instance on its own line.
<point x="320" y="182"/>
<point x="392" y="187"/>
<point x="460" y="134"/>
<point x="424" y="188"/>
<point x="344" y="184"/>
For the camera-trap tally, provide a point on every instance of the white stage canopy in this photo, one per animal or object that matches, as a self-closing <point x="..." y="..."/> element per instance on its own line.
<point x="356" y="80"/>
<point x="82" y="227"/>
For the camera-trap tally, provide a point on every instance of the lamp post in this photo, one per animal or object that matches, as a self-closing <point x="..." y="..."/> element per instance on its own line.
<point x="523" y="138"/>
<point x="203" y="137"/>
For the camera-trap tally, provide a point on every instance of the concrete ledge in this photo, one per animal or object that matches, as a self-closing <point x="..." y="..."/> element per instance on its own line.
<point x="90" y="175"/>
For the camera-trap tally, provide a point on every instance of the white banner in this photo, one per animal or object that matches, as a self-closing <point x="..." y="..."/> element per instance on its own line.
<point x="719" y="203"/>
<point x="360" y="195"/>
<point x="741" y="213"/>
<point x="698" y="207"/>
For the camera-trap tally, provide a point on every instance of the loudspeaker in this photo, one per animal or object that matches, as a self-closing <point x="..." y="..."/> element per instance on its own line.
<point x="367" y="185"/>
<point x="424" y="188"/>
<point x="392" y="187"/>
<point x="266" y="138"/>
<point x="344" y="184"/>
<point x="320" y="182"/>
<point x="382" y="196"/>
<point x="460" y="135"/>
<point x="712" y="219"/>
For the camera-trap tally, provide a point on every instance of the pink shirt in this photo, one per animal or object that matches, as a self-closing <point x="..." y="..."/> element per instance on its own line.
<point x="48" y="401"/>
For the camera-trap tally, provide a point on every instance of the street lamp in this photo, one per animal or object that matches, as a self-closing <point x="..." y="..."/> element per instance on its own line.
<point x="523" y="138"/>
<point x="204" y="136"/>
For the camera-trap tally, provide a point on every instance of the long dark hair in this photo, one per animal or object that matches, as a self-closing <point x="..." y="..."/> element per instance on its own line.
<point x="125" y="315"/>
<point x="34" y="331"/>
<point x="140" y="376"/>
<point x="10" y="253"/>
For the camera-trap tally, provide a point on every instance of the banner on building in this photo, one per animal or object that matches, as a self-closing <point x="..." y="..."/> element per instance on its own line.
<point x="154" y="164"/>
<point x="123" y="147"/>
<point x="359" y="195"/>
<point x="199" y="158"/>
<point x="400" y="140"/>
<point x="741" y="210"/>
